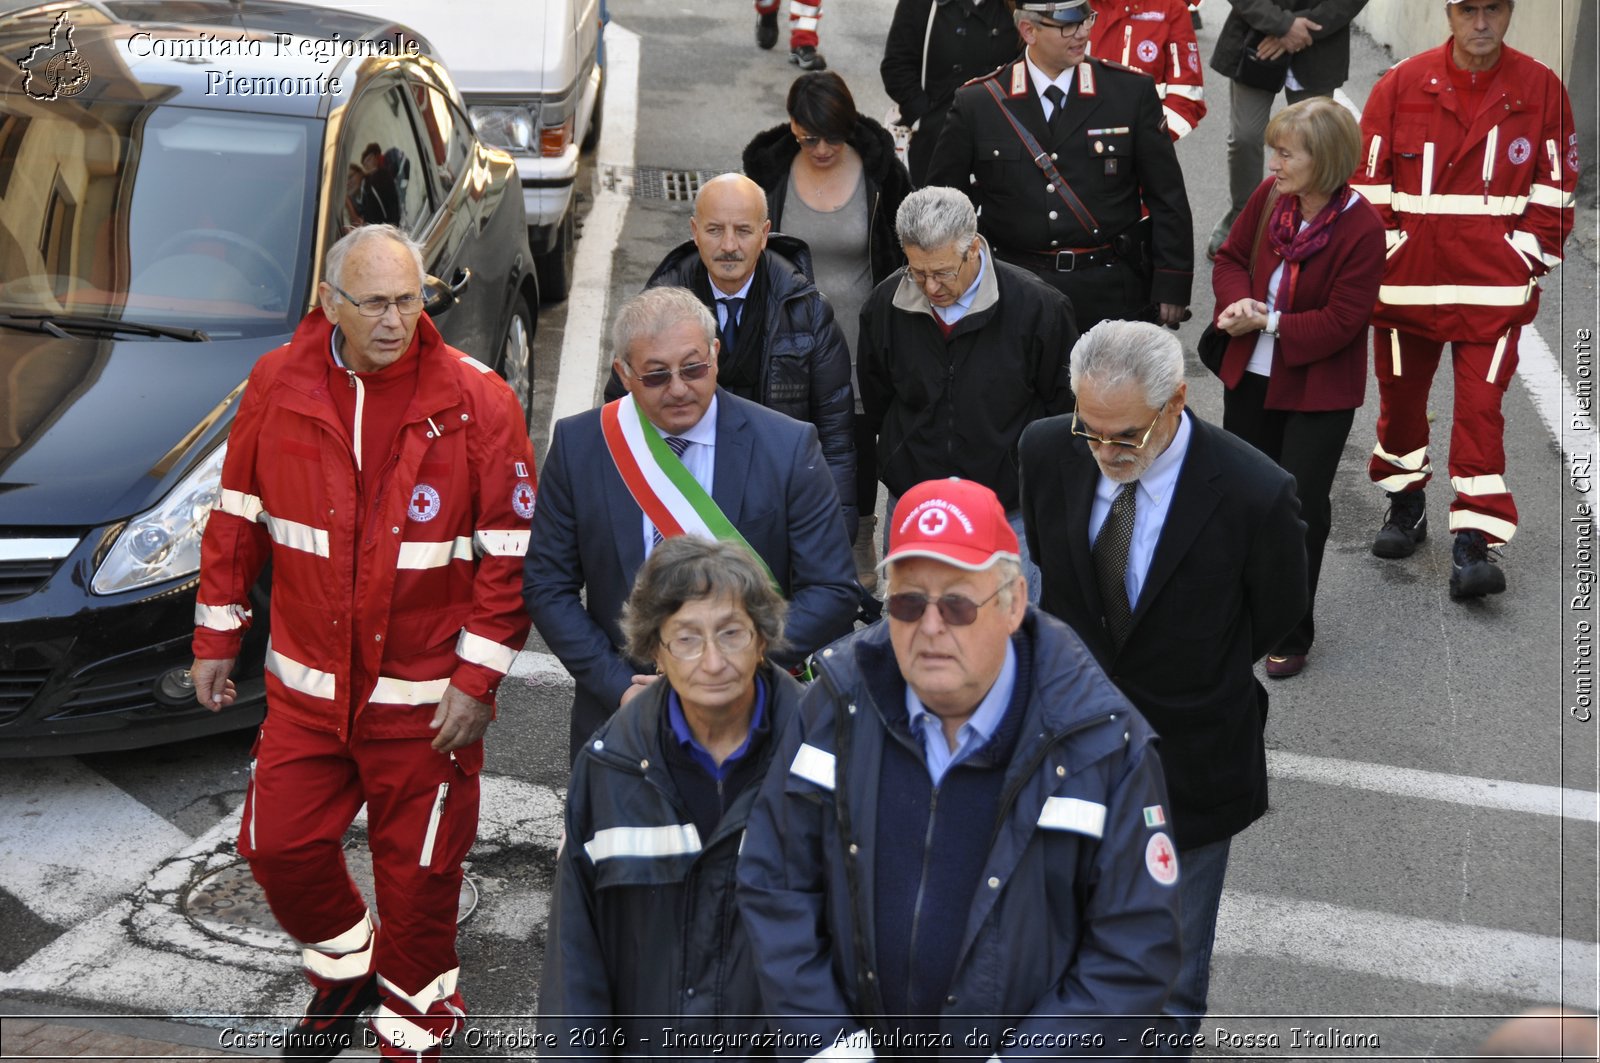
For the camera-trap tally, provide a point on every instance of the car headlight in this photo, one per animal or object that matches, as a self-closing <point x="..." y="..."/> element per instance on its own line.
<point x="164" y="543"/>
<point x="507" y="126"/>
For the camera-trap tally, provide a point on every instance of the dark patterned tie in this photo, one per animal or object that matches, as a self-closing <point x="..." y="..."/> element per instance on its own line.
<point x="678" y="445"/>
<point x="1111" y="562"/>
<point x="730" y="330"/>
<point x="1058" y="100"/>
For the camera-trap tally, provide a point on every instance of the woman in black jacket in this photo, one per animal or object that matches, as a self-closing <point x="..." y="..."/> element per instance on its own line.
<point x="832" y="180"/>
<point x="934" y="47"/>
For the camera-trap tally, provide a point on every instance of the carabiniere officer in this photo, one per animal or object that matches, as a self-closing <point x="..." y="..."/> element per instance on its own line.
<point x="1068" y="159"/>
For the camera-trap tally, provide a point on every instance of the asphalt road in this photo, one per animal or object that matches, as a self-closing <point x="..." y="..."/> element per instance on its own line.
<point x="1429" y="860"/>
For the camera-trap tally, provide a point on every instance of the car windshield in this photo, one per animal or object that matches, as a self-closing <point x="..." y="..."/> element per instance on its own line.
<point x="163" y="216"/>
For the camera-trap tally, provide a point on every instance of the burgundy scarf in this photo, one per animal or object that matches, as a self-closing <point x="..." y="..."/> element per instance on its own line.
<point x="1293" y="244"/>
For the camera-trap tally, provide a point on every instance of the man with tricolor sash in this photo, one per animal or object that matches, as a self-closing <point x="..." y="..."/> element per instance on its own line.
<point x="676" y="455"/>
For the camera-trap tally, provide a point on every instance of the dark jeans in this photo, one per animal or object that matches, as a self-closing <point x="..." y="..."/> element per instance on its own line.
<point x="1201" y="871"/>
<point x="1307" y="446"/>
<point x="866" y="468"/>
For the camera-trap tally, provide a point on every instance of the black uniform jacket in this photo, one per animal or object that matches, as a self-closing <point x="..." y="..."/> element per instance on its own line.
<point x="1111" y="146"/>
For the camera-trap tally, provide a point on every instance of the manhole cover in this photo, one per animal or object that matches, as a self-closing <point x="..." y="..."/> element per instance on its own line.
<point x="229" y="904"/>
<point x="654" y="182"/>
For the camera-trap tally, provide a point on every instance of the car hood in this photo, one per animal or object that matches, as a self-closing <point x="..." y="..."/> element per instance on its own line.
<point x="96" y="430"/>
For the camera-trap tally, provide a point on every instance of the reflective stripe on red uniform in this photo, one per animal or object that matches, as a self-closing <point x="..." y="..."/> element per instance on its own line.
<point x="804" y="19"/>
<point x="1405" y="365"/>
<point x="1156" y="37"/>
<point x="430" y="595"/>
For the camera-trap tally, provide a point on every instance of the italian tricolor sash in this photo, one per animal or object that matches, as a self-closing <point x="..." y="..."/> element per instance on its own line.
<point x="671" y="498"/>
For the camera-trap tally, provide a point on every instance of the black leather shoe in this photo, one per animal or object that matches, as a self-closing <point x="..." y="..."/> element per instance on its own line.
<point x="808" y="58"/>
<point x="328" y="1026"/>
<point x="1473" y="572"/>
<point x="1404" y="526"/>
<point x="766" y="31"/>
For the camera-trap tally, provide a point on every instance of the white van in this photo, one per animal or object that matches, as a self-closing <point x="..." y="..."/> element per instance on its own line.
<point x="532" y="73"/>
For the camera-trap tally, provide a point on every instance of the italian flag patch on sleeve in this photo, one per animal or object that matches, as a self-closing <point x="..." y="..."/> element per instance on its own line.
<point x="1154" y="816"/>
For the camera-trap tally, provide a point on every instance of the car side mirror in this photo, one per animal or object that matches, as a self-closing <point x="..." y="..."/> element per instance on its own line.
<point x="437" y="296"/>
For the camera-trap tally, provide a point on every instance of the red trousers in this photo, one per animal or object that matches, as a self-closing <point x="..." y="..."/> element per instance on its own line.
<point x="803" y="19"/>
<point x="306" y="787"/>
<point x="1405" y="364"/>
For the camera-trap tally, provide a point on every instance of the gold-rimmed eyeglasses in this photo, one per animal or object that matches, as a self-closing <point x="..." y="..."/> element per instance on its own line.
<point x="939" y="276"/>
<point x="1130" y="444"/>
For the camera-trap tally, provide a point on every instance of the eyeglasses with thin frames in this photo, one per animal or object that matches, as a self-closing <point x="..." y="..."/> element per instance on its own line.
<point x="1071" y="29"/>
<point x="1130" y="444"/>
<point x="954" y="609"/>
<point x="729" y="640"/>
<point x="940" y="276"/>
<point x="660" y="378"/>
<point x="377" y="305"/>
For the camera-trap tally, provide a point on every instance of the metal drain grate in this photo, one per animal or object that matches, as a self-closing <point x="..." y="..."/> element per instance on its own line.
<point x="653" y="182"/>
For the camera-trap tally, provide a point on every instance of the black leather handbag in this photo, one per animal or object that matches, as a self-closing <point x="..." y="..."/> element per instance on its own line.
<point x="1259" y="73"/>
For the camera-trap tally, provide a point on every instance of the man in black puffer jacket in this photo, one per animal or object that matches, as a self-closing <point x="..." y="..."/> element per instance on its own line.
<point x="783" y="349"/>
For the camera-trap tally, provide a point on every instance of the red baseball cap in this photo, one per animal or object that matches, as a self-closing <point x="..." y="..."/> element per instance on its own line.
<point x="955" y="521"/>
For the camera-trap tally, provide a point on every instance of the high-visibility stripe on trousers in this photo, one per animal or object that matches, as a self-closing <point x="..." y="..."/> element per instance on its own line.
<point x="422" y="817"/>
<point x="1405" y="364"/>
<point x="803" y="20"/>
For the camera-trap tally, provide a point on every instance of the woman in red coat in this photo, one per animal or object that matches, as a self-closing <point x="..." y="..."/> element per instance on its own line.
<point x="1296" y="367"/>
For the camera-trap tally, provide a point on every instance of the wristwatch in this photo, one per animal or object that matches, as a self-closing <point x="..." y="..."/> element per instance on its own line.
<point x="1272" y="323"/>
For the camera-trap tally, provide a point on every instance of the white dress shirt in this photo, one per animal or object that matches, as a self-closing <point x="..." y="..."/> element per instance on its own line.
<point x="1040" y="82"/>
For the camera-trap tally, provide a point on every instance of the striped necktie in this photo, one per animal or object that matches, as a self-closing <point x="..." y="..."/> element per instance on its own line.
<point x="678" y="445"/>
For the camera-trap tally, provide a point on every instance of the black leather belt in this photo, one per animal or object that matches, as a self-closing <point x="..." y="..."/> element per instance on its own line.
<point x="1064" y="261"/>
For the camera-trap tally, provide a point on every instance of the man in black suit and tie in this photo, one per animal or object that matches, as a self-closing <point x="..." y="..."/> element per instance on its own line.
<point x="676" y="455"/>
<point x="1176" y="551"/>
<point x="1064" y="154"/>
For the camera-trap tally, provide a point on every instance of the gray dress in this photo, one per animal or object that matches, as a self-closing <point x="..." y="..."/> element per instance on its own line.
<point x="839" y="259"/>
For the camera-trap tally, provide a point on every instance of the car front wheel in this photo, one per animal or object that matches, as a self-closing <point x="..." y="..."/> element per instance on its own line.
<point x="516" y="356"/>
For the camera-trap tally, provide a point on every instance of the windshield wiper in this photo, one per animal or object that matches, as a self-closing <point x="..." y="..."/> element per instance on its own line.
<point x="59" y="325"/>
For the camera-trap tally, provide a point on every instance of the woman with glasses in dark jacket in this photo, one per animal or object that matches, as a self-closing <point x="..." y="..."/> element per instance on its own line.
<point x="832" y="179"/>
<point x="1296" y="281"/>
<point x="643" y="930"/>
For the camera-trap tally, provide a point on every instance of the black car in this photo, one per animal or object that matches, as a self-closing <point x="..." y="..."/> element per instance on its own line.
<point x="171" y="175"/>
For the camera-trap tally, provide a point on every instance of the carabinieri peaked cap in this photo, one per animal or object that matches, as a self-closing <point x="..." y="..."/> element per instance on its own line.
<point x="1059" y="10"/>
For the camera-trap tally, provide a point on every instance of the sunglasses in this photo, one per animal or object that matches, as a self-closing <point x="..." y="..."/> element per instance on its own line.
<point x="811" y="142"/>
<point x="660" y="378"/>
<point x="954" y="609"/>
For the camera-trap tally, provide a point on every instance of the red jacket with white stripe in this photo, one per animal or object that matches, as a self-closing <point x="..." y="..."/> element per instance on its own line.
<point x="1475" y="211"/>
<point x="430" y="596"/>
<point x="1155" y="37"/>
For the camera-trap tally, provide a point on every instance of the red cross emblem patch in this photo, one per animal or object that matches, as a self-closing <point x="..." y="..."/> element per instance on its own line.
<point x="1161" y="859"/>
<point x="522" y="499"/>
<point x="424" y="504"/>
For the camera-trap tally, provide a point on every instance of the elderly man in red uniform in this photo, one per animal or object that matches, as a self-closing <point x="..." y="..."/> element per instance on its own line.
<point x="1155" y="37"/>
<point x="1471" y="158"/>
<point x="389" y="479"/>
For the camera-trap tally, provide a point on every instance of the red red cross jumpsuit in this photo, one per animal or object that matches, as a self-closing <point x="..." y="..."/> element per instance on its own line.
<point x="1155" y="37"/>
<point x="1477" y="206"/>
<point x="396" y="572"/>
